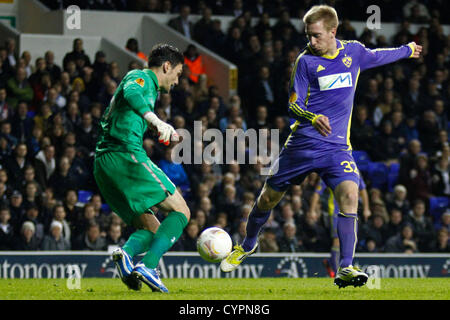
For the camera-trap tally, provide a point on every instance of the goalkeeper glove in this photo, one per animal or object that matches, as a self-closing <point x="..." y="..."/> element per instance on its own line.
<point x="166" y="132"/>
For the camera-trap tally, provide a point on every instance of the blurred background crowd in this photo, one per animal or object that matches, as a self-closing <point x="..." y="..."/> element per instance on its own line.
<point x="49" y="117"/>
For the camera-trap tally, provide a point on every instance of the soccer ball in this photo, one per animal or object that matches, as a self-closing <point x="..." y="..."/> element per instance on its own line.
<point x="214" y="244"/>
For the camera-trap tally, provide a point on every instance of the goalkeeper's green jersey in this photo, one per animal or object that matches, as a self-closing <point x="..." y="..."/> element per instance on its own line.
<point x="122" y="126"/>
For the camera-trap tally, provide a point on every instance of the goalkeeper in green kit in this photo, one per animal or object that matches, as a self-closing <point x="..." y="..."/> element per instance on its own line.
<point x="129" y="181"/>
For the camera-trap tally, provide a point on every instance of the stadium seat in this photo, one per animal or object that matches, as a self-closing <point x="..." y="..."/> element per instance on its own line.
<point x="377" y="173"/>
<point x="105" y="207"/>
<point x="393" y="173"/>
<point x="438" y="205"/>
<point x="362" y="160"/>
<point x="84" y="196"/>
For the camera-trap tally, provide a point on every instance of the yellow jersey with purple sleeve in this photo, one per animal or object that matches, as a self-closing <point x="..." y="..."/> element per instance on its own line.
<point x="325" y="85"/>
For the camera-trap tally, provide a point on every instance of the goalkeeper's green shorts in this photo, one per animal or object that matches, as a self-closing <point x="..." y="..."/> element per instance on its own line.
<point x="131" y="183"/>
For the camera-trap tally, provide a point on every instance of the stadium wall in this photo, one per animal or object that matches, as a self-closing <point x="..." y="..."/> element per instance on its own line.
<point x="48" y="264"/>
<point x="34" y="17"/>
<point x="6" y="31"/>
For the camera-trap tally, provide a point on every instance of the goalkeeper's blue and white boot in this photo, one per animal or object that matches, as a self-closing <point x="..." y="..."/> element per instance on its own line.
<point x="150" y="277"/>
<point x="350" y="276"/>
<point x="124" y="265"/>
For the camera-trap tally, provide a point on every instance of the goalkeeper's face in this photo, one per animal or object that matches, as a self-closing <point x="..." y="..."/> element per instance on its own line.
<point x="171" y="74"/>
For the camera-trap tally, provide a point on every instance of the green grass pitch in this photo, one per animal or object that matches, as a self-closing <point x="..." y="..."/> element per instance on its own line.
<point x="226" y="289"/>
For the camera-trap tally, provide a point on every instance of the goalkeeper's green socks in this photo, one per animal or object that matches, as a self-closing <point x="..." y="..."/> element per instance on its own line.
<point x="139" y="242"/>
<point x="168" y="233"/>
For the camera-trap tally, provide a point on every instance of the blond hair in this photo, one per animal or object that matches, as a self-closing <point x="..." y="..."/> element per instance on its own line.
<point x="322" y="12"/>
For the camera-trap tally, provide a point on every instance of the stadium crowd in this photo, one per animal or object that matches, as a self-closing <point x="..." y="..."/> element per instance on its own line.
<point x="49" y="117"/>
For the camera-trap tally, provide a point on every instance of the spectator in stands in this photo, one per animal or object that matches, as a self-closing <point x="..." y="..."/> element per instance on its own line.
<point x="404" y="242"/>
<point x="17" y="208"/>
<point x="4" y="71"/>
<point x="32" y="214"/>
<point x="45" y="164"/>
<point x="133" y="46"/>
<point x="38" y="72"/>
<point x="54" y="241"/>
<point x="182" y="23"/>
<point x="444" y="221"/>
<point x="420" y="179"/>
<point x="100" y="66"/>
<point x="312" y="234"/>
<point x="390" y="148"/>
<point x="229" y="203"/>
<point x="423" y="226"/>
<point x="5" y="131"/>
<point x="77" y="54"/>
<point x="62" y="180"/>
<point x="6" y="112"/>
<point x="114" y="236"/>
<point x="53" y="69"/>
<point x="27" y="241"/>
<point x="441" y="178"/>
<point x="239" y="235"/>
<point x="42" y="119"/>
<point x="90" y="239"/>
<point x="6" y="229"/>
<point x="114" y="72"/>
<point x="189" y="240"/>
<point x="72" y="206"/>
<point x="203" y="26"/>
<point x="413" y="99"/>
<point x="289" y="242"/>
<point x="375" y="229"/>
<point x="16" y="164"/>
<point x="262" y="91"/>
<point x="440" y="113"/>
<point x="10" y="45"/>
<point x="409" y="160"/>
<point x="56" y="101"/>
<point x="106" y="94"/>
<point x="399" y="200"/>
<point x="442" y="243"/>
<point x="87" y="133"/>
<point x="175" y="172"/>
<point x="443" y="141"/>
<point x="60" y="214"/>
<point x="233" y="46"/>
<point x="194" y="63"/>
<point x="362" y="130"/>
<point x="395" y="224"/>
<point x="429" y="131"/>
<point x="19" y="89"/>
<point x="216" y="38"/>
<point x="268" y="241"/>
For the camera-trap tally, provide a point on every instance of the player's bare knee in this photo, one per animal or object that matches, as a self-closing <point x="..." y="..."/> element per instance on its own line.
<point x="181" y="206"/>
<point x="349" y="197"/>
<point x="187" y="212"/>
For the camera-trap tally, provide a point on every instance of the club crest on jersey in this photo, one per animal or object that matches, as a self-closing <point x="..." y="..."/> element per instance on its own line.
<point x="140" y="82"/>
<point x="347" y="61"/>
<point x="335" y="81"/>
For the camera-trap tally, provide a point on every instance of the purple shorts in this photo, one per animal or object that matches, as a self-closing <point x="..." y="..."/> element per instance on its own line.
<point x="331" y="161"/>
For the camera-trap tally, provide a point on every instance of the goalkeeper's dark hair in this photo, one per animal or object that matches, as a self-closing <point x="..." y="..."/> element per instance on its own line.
<point x="162" y="52"/>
